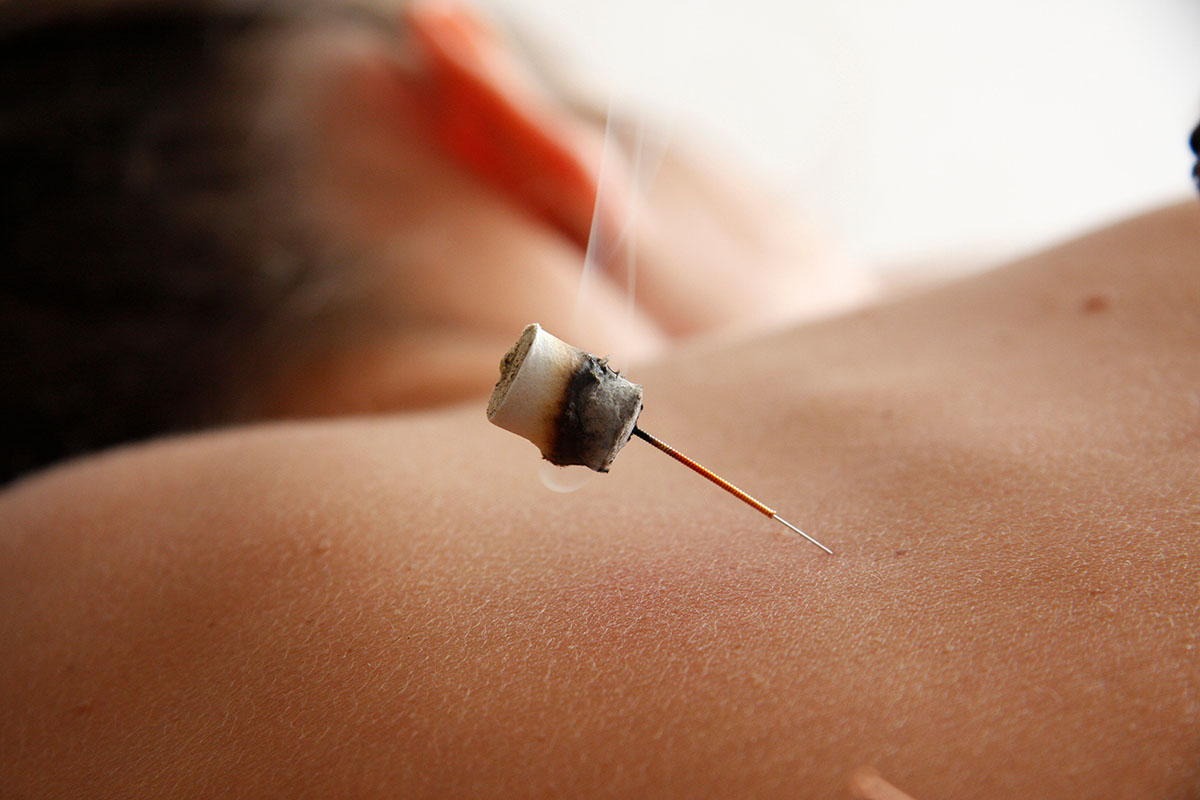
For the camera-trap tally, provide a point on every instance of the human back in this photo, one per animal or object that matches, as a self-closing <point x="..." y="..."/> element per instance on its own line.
<point x="1005" y="467"/>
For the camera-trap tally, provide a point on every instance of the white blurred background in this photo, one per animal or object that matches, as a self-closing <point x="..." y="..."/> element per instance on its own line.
<point x="913" y="128"/>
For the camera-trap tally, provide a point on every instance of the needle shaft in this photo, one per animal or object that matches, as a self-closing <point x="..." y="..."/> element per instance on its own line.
<point x="749" y="500"/>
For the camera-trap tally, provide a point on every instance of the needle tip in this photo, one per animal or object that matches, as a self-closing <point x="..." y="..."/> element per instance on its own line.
<point x="783" y="521"/>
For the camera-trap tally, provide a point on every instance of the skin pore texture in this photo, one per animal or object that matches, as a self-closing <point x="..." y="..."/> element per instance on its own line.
<point x="1008" y="469"/>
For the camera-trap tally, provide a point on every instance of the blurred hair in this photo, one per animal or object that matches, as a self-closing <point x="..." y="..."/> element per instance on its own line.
<point x="1196" y="151"/>
<point x="155" y="262"/>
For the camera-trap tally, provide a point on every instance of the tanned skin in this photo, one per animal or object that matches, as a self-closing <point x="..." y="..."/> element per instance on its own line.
<point x="1008" y="469"/>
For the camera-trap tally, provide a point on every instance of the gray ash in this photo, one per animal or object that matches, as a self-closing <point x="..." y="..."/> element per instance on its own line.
<point x="599" y="411"/>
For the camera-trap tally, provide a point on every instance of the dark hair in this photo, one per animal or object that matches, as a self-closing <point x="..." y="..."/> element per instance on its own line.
<point x="1196" y="151"/>
<point x="151" y="251"/>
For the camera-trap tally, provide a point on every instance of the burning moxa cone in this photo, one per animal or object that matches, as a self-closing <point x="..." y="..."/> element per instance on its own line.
<point x="578" y="410"/>
<point x="572" y="405"/>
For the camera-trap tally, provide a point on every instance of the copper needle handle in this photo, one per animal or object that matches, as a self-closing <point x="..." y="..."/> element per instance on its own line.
<point x="749" y="500"/>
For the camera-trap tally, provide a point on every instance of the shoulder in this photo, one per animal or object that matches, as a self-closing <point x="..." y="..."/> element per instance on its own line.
<point x="361" y="608"/>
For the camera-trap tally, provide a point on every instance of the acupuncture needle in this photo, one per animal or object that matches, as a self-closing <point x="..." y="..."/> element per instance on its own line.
<point x="724" y="484"/>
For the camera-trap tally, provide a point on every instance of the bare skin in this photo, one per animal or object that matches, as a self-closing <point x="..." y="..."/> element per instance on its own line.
<point x="1008" y="469"/>
<point x="465" y="250"/>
